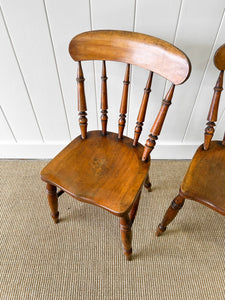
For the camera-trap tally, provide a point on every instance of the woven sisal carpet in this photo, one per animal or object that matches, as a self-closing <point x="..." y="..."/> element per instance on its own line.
<point x="82" y="257"/>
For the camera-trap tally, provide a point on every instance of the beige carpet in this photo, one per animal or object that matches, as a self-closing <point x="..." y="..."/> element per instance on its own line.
<point x="82" y="258"/>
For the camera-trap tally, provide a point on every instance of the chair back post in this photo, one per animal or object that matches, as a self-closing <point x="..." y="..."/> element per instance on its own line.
<point x="142" y="111"/>
<point x="123" y="106"/>
<point x="213" y="111"/>
<point x="157" y="126"/>
<point x="82" y="107"/>
<point x="104" y="99"/>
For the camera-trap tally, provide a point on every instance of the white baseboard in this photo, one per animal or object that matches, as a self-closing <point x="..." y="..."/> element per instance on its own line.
<point x="47" y="151"/>
<point x="174" y="151"/>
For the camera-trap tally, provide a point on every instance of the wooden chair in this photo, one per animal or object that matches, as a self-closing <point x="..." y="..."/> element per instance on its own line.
<point x="204" y="181"/>
<point x="105" y="168"/>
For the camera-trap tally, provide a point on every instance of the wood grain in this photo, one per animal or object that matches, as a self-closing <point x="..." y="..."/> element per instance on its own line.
<point x="142" y="110"/>
<point x="219" y="58"/>
<point x="204" y="180"/>
<point x="134" y="48"/>
<point x="123" y="105"/>
<point x="107" y="169"/>
<point x="104" y="99"/>
<point x="100" y="167"/>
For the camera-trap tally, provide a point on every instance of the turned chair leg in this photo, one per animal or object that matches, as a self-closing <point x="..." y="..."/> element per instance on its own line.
<point x="126" y="235"/>
<point x="170" y="214"/>
<point x="53" y="201"/>
<point x="148" y="184"/>
<point x="134" y="209"/>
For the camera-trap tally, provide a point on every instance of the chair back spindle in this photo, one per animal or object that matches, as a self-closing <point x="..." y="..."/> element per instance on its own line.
<point x="213" y="111"/>
<point x="104" y="99"/>
<point x="148" y="52"/>
<point x="105" y="169"/>
<point x="142" y="111"/>
<point x="157" y="126"/>
<point x="123" y="106"/>
<point x="82" y="107"/>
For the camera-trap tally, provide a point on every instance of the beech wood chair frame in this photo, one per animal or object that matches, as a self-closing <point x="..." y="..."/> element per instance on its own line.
<point x="204" y="181"/>
<point x="141" y="50"/>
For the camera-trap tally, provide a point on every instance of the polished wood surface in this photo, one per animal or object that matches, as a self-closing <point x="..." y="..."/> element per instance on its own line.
<point x="104" y="100"/>
<point x="142" y="111"/>
<point x="81" y="100"/>
<point x="205" y="178"/>
<point x="213" y="111"/>
<point x="204" y="181"/>
<point x="99" y="170"/>
<point x="171" y="213"/>
<point x="157" y="126"/>
<point x="123" y="106"/>
<point x="134" y="48"/>
<point x="219" y="58"/>
<point x="53" y="201"/>
<point x="126" y="235"/>
<point x="108" y="169"/>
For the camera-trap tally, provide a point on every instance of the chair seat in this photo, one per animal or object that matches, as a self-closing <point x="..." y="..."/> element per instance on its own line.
<point x="101" y="170"/>
<point x="205" y="178"/>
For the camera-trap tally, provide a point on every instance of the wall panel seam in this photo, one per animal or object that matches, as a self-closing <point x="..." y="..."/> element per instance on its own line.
<point x="128" y="101"/>
<point x="220" y="119"/>
<point x="174" y="38"/>
<point x="131" y="73"/>
<point x="21" y="73"/>
<point x="135" y="14"/>
<point x="90" y="14"/>
<point x="178" y="21"/>
<point x="93" y="63"/>
<point x="203" y="77"/>
<point x="56" y="66"/>
<point x="96" y="104"/>
<point x="8" y="124"/>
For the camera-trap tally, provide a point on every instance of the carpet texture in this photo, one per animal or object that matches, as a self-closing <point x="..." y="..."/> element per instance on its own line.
<point x="82" y="257"/>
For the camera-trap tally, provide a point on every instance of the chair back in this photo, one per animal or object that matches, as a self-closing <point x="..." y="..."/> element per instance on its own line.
<point x="219" y="61"/>
<point x="142" y="50"/>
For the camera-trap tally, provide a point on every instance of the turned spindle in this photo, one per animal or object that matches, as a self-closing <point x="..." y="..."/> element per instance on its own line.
<point x="53" y="201"/>
<point x="134" y="209"/>
<point x="170" y="214"/>
<point x="157" y="126"/>
<point x="142" y="111"/>
<point x="213" y="111"/>
<point x="104" y="100"/>
<point x="81" y="101"/>
<point x="148" y="184"/>
<point x="126" y="235"/>
<point x="123" y="106"/>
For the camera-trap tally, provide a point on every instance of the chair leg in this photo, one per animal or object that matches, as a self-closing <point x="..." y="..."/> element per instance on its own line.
<point x="126" y="235"/>
<point x="53" y="201"/>
<point x="148" y="184"/>
<point x="170" y="214"/>
<point x="134" y="209"/>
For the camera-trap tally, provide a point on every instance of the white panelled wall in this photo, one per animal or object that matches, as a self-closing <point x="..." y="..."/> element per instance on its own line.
<point x="38" y="111"/>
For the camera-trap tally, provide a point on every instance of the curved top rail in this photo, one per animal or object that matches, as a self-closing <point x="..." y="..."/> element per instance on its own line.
<point x="219" y="58"/>
<point x="134" y="48"/>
